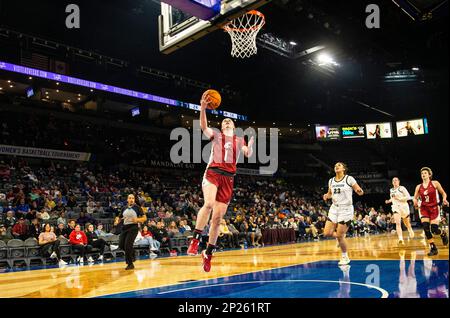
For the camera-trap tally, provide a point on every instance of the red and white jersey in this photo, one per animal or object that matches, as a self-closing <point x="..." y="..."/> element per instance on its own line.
<point x="428" y="196"/>
<point x="225" y="151"/>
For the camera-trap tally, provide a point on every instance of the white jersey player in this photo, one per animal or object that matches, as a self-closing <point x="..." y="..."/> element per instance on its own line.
<point x="400" y="209"/>
<point x="340" y="191"/>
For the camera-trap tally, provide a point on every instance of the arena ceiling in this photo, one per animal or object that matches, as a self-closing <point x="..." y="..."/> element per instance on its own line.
<point x="269" y="82"/>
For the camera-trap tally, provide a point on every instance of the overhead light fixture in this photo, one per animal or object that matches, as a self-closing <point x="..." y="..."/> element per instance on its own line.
<point x="30" y="78"/>
<point x="46" y="93"/>
<point x="1" y="88"/>
<point x="293" y="43"/>
<point x="11" y="86"/>
<point x="325" y="59"/>
<point x="415" y="68"/>
<point x="57" y="83"/>
<point x="9" y="81"/>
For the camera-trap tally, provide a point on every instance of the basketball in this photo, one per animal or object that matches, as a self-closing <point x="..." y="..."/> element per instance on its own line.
<point x="214" y="97"/>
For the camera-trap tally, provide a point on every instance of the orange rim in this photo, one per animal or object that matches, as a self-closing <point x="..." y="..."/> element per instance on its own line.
<point x="256" y="27"/>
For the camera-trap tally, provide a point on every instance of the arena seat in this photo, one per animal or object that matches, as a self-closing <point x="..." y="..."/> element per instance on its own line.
<point x="16" y="252"/>
<point x="3" y="253"/>
<point x="65" y="250"/>
<point x="33" y="251"/>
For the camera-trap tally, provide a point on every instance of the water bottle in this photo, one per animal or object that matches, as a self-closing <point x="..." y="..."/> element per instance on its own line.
<point x="245" y="244"/>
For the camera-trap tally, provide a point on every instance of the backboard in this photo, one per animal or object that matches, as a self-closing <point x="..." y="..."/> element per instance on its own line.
<point x="177" y="28"/>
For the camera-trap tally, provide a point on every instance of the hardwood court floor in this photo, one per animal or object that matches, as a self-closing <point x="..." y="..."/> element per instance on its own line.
<point x="111" y="278"/>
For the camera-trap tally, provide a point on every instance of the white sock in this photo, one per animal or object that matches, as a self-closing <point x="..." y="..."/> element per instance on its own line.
<point x="344" y="254"/>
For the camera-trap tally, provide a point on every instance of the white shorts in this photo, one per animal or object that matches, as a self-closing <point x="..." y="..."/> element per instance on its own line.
<point x="403" y="210"/>
<point x="339" y="214"/>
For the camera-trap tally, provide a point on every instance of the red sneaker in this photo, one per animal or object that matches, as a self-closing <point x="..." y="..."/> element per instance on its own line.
<point x="206" y="261"/>
<point x="193" y="247"/>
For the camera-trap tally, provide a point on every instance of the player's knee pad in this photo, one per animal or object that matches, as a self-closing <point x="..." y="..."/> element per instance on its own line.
<point x="435" y="229"/>
<point x="427" y="230"/>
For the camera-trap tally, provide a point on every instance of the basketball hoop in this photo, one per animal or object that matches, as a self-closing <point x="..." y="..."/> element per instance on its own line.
<point x="243" y="31"/>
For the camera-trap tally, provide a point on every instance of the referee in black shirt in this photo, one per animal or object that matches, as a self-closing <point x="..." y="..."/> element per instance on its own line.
<point x="132" y="214"/>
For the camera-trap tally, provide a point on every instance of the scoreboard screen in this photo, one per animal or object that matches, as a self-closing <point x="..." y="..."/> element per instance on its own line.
<point x="327" y="132"/>
<point x="412" y="127"/>
<point x="379" y="130"/>
<point x="353" y="131"/>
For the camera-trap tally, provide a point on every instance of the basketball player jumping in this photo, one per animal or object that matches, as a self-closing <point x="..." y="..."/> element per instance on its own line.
<point x="400" y="209"/>
<point x="427" y="194"/>
<point x="340" y="191"/>
<point x="218" y="180"/>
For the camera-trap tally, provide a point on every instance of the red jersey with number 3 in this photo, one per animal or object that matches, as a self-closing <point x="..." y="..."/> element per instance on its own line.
<point x="428" y="195"/>
<point x="225" y="152"/>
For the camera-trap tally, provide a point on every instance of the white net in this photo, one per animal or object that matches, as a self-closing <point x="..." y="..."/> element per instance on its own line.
<point x="243" y="32"/>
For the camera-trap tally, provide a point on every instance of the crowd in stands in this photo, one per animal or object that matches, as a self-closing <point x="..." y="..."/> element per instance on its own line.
<point x="67" y="197"/>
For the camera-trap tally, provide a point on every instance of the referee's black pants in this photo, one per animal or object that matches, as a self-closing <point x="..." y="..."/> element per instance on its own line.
<point x="126" y="241"/>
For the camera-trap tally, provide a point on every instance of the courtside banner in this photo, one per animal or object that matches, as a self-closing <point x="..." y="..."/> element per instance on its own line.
<point x="44" y="153"/>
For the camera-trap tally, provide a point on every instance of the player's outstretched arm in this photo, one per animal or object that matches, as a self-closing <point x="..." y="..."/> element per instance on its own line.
<point x="203" y="120"/>
<point x="358" y="189"/>
<point x="248" y="150"/>
<point x="439" y="187"/>
<point x="388" y="201"/>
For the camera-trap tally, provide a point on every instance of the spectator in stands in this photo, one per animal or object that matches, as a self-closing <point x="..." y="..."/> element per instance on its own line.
<point x="244" y="232"/>
<point x="99" y="209"/>
<point x="184" y="226"/>
<point x="320" y="224"/>
<point x="145" y="238"/>
<point x="10" y="220"/>
<point x="234" y="232"/>
<point x="71" y="200"/>
<point x="303" y="228"/>
<point x="22" y="208"/>
<point x="50" y="244"/>
<point x="162" y="236"/>
<point x="255" y="232"/>
<point x="95" y="242"/>
<point x="225" y="235"/>
<point x="90" y="209"/>
<point x="20" y="229"/>
<point x="116" y="229"/>
<point x="33" y="212"/>
<point x="146" y="234"/>
<point x="62" y="218"/>
<point x="34" y="229"/>
<point x="61" y="231"/>
<point x="5" y="234"/>
<point x="381" y="223"/>
<point x="85" y="218"/>
<point x="79" y="242"/>
<point x="100" y="232"/>
<point x="172" y="229"/>
<point x="71" y="226"/>
<point x="59" y="208"/>
<point x="43" y="215"/>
